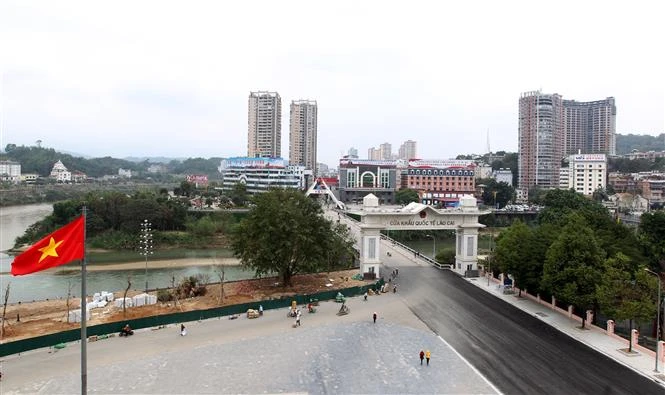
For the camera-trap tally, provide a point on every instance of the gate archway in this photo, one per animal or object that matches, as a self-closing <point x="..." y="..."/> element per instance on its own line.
<point x="416" y="216"/>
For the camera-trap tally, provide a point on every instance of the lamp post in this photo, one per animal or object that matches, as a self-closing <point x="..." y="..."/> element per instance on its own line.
<point x="489" y="259"/>
<point x="145" y="246"/>
<point x="433" y="247"/>
<point x="657" y="315"/>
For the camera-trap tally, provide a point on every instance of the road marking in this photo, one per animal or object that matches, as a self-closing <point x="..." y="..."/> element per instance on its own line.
<point x="471" y="366"/>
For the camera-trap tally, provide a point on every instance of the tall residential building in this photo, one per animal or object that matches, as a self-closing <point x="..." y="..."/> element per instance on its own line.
<point x="353" y="153"/>
<point x="407" y="150"/>
<point x="374" y="154"/>
<point x="590" y="126"/>
<point x="541" y="140"/>
<point x="386" y="151"/>
<point x="302" y="135"/>
<point x="264" y="136"/>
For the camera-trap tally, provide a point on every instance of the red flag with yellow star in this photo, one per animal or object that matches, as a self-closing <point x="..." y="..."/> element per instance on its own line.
<point x="62" y="246"/>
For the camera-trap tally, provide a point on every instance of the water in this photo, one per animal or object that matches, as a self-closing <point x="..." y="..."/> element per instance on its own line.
<point x="52" y="285"/>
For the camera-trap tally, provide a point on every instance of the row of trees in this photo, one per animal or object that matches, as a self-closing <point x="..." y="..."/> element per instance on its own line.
<point x="585" y="258"/>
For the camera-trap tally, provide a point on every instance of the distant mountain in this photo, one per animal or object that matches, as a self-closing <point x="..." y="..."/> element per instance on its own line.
<point x="642" y="143"/>
<point x="153" y="159"/>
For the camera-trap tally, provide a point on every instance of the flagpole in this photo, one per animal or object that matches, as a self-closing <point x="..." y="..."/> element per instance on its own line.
<point x="84" y="308"/>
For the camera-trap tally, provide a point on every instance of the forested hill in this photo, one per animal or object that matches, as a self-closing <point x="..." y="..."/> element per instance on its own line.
<point x="641" y="143"/>
<point x="40" y="160"/>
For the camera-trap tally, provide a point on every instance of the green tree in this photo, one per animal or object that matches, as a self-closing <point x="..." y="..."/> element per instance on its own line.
<point x="286" y="233"/>
<point x="573" y="265"/>
<point x="496" y="192"/>
<point x="406" y="196"/>
<point x="514" y="255"/>
<point x="626" y="292"/>
<point x="239" y="194"/>
<point x="651" y="233"/>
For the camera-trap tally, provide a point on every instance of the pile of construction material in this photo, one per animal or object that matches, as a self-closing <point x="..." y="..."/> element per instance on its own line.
<point x="144" y="299"/>
<point x="99" y="300"/>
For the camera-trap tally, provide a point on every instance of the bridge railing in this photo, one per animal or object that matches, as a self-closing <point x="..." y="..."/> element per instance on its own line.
<point x="429" y="260"/>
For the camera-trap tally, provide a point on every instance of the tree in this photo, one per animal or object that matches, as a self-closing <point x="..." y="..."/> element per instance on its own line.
<point x="406" y="196"/>
<point x="239" y="194"/>
<point x="286" y="233"/>
<point x="514" y="255"/>
<point x="496" y="192"/>
<point x="626" y="292"/>
<point x="651" y="233"/>
<point x="573" y="265"/>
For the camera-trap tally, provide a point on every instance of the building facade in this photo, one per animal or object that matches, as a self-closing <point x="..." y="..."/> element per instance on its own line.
<point x="590" y="127"/>
<point x="10" y="171"/>
<point x="303" y="134"/>
<point x="60" y="172"/>
<point x="440" y="183"/>
<point x="264" y="135"/>
<point x="360" y="177"/>
<point x="587" y="173"/>
<point x="407" y="150"/>
<point x="503" y="175"/>
<point x="541" y="140"/>
<point x="261" y="174"/>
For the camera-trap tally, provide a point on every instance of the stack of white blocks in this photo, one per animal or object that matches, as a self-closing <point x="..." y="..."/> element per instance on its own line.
<point x="144" y="299"/>
<point x="128" y="302"/>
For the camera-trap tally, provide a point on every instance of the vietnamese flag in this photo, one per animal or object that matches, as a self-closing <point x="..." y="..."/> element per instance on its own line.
<point x="62" y="246"/>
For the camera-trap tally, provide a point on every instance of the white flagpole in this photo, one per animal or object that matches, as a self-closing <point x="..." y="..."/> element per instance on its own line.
<point x="84" y="305"/>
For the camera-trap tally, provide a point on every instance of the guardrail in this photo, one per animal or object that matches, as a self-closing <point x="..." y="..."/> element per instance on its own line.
<point x="411" y="250"/>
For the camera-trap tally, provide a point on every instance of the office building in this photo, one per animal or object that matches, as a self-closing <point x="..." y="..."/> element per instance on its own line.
<point x="386" y="151"/>
<point x="440" y="183"/>
<point x="353" y="153"/>
<point x="264" y="135"/>
<point x="407" y="150"/>
<point x="541" y="140"/>
<point x="373" y="154"/>
<point x="590" y="127"/>
<point x="587" y="173"/>
<point x="302" y="134"/>
<point x="360" y="177"/>
<point x="261" y="174"/>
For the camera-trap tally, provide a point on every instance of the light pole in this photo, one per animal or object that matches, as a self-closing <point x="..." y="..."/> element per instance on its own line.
<point x="657" y="315"/>
<point x="489" y="260"/>
<point x="145" y="246"/>
<point x="433" y="247"/>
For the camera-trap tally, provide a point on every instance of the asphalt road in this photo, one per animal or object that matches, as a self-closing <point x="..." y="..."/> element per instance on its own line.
<point x="518" y="353"/>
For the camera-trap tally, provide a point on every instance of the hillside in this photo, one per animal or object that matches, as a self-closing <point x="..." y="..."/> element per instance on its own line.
<point x="642" y="143"/>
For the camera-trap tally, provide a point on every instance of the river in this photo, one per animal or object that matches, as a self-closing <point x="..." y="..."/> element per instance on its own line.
<point x="14" y="220"/>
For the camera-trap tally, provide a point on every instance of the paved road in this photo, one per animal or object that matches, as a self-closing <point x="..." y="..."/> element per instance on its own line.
<point x="517" y="352"/>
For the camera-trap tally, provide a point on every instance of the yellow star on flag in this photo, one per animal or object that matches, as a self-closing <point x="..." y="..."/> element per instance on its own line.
<point x="50" y="249"/>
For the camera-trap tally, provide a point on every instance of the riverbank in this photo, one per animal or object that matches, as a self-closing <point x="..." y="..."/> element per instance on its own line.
<point x="161" y="264"/>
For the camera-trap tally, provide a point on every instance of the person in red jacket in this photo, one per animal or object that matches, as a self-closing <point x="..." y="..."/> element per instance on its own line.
<point x="422" y="356"/>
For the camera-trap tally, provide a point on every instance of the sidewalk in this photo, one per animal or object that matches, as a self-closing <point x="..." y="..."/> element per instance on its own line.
<point x="593" y="337"/>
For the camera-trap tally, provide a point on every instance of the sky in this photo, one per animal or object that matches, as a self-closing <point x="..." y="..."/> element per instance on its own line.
<point x="163" y="78"/>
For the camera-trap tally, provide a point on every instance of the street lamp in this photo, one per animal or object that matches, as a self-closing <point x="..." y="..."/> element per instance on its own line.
<point x="433" y="247"/>
<point x="657" y="315"/>
<point x="145" y="246"/>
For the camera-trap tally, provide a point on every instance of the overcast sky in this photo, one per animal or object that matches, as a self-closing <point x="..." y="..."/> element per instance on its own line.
<point x="141" y="78"/>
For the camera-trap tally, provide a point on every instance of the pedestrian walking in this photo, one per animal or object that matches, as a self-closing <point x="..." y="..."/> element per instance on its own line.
<point x="365" y="296"/>
<point x="298" y="318"/>
<point x="427" y="355"/>
<point x="422" y="355"/>
<point x="183" y="330"/>
<point x="395" y="288"/>
<point x="260" y="310"/>
<point x="374" y="317"/>
<point x="396" y="272"/>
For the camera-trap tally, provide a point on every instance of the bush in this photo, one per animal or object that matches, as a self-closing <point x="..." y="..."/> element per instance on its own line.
<point x="190" y="287"/>
<point x="164" y="295"/>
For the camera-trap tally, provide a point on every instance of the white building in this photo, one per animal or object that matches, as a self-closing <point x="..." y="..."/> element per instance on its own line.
<point x="60" y="172"/>
<point x="483" y="170"/>
<point x="564" y="177"/>
<point x="125" y="173"/>
<point x="503" y="175"/>
<point x="303" y="133"/>
<point x="261" y="174"/>
<point x="10" y="171"/>
<point x="264" y="134"/>
<point x="587" y="172"/>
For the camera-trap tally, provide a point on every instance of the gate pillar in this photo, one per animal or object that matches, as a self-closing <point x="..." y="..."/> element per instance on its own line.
<point x="466" y="251"/>
<point x="370" y="251"/>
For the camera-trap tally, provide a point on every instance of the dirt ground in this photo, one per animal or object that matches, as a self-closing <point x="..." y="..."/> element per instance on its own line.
<point x="26" y="320"/>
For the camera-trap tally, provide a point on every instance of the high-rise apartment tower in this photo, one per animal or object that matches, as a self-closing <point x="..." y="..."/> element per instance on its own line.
<point x="590" y="126"/>
<point x="541" y="140"/>
<point x="264" y="136"/>
<point x="302" y="136"/>
<point x="407" y="150"/>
